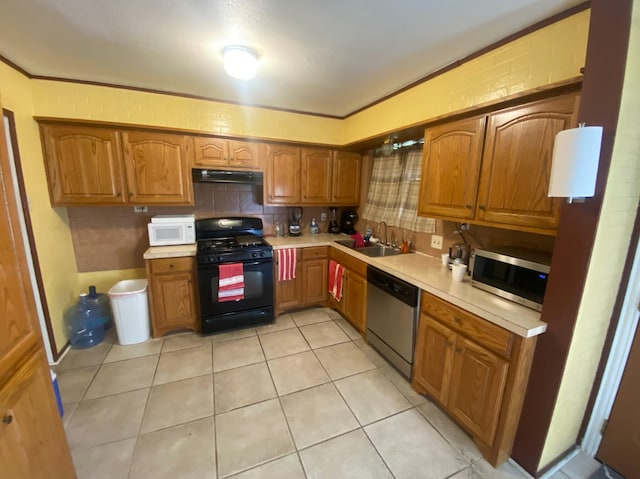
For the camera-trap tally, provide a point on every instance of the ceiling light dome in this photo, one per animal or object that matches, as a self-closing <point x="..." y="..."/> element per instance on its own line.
<point x="240" y="62"/>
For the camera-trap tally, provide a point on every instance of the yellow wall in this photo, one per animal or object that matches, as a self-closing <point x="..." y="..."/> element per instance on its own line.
<point x="548" y="55"/>
<point x="69" y="100"/>
<point x="50" y="225"/>
<point x="607" y="261"/>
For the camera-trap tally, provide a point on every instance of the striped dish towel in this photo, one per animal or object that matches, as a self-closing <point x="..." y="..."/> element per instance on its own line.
<point x="336" y="273"/>
<point x="286" y="264"/>
<point x="231" y="282"/>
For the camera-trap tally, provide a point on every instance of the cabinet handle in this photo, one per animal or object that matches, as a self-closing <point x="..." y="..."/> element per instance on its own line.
<point x="449" y="345"/>
<point x="130" y="195"/>
<point x="270" y="196"/>
<point x="171" y="266"/>
<point x="482" y="207"/>
<point x="458" y="350"/>
<point x="7" y="419"/>
<point x="457" y="320"/>
<point x="467" y="206"/>
<point x="118" y="194"/>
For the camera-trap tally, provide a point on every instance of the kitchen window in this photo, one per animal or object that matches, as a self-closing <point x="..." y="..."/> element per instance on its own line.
<point x="394" y="189"/>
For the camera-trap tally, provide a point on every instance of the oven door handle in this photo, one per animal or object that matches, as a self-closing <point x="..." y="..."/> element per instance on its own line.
<point x="253" y="263"/>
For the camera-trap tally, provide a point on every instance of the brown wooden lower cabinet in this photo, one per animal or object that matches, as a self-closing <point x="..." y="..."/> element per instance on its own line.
<point x="309" y="287"/>
<point x="353" y="305"/>
<point x="172" y="294"/>
<point x="475" y="370"/>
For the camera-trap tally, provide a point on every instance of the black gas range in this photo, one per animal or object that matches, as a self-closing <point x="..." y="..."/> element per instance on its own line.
<point x="230" y="242"/>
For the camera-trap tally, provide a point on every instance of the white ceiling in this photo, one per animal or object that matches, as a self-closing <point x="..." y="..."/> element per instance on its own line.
<point x="325" y="56"/>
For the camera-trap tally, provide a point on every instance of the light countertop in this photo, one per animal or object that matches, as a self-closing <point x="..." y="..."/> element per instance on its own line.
<point x="425" y="272"/>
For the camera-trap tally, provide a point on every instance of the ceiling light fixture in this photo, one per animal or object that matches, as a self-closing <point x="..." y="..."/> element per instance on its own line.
<point x="240" y="62"/>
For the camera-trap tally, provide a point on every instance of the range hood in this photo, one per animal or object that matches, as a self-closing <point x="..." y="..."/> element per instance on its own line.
<point x="227" y="176"/>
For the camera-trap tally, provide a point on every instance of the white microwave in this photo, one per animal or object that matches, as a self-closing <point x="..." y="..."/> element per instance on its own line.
<point x="166" y="230"/>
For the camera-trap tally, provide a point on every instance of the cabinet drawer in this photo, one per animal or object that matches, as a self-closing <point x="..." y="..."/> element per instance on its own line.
<point x="483" y="332"/>
<point x="171" y="265"/>
<point x="316" y="252"/>
<point x="349" y="262"/>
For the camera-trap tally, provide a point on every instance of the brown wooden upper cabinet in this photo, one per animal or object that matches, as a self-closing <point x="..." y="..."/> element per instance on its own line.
<point x="90" y="165"/>
<point x="83" y="165"/>
<point x="311" y="176"/>
<point x="503" y="180"/>
<point x="228" y="154"/>
<point x="158" y="168"/>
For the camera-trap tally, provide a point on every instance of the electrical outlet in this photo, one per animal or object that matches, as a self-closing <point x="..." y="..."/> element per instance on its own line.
<point x="323" y="216"/>
<point x="436" y="241"/>
<point x="140" y="209"/>
<point x="464" y="226"/>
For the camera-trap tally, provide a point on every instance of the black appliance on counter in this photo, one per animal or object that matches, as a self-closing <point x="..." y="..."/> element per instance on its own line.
<point x="234" y="240"/>
<point x="348" y="221"/>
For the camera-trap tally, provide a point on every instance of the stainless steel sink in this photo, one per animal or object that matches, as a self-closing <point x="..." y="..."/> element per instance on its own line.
<point x="373" y="251"/>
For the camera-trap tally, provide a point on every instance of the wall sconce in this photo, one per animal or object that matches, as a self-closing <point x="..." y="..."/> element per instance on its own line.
<point x="574" y="167"/>
<point x="388" y="145"/>
<point x="240" y="62"/>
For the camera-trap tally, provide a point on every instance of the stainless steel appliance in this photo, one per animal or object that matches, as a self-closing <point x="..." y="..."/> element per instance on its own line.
<point x="294" y="224"/>
<point x="234" y="240"/>
<point x="334" y="227"/>
<point x="392" y="317"/>
<point x="515" y="274"/>
<point x="348" y="221"/>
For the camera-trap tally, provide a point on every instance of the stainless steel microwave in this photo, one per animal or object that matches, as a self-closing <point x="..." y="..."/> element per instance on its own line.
<point x="515" y="274"/>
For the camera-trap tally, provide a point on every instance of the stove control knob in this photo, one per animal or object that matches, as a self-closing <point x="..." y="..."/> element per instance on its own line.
<point x="219" y="258"/>
<point x="253" y="255"/>
<point x="262" y="254"/>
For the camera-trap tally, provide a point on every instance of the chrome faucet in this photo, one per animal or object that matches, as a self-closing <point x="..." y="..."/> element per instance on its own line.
<point x="384" y="241"/>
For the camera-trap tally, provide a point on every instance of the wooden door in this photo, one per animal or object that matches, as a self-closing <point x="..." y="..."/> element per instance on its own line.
<point x="434" y="359"/>
<point x="346" y="178"/>
<point x="210" y="152"/>
<point x="516" y="164"/>
<point x="283" y="175"/>
<point x="83" y="165"/>
<point x="620" y="446"/>
<point x="355" y="299"/>
<point x="315" y="281"/>
<point x="316" y="166"/>
<point x="158" y="168"/>
<point x="32" y="440"/>
<point x="244" y="155"/>
<point x="477" y="387"/>
<point x="450" y="169"/>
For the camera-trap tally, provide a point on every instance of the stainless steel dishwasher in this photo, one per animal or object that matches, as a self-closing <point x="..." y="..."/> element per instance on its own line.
<point x="392" y="317"/>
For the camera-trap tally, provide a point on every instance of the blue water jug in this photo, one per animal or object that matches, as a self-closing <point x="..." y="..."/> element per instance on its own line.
<point x="103" y="305"/>
<point x="84" y="324"/>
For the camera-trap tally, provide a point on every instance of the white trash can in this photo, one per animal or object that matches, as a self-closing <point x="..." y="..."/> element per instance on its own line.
<point x="130" y="310"/>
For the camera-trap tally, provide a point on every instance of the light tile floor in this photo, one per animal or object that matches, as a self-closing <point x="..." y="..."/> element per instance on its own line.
<point x="304" y="397"/>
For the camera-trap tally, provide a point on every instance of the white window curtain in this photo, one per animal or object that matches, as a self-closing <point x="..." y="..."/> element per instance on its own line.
<point x="394" y="189"/>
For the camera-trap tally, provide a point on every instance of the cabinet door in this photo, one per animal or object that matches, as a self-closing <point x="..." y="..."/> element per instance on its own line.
<point x="516" y="164"/>
<point x="210" y="152"/>
<point x="315" y="281"/>
<point x="346" y="178"/>
<point x="289" y="293"/>
<point x="450" y="169"/>
<point x="434" y="358"/>
<point x="355" y="299"/>
<point x="83" y="164"/>
<point x="316" y="176"/>
<point x="158" y="168"/>
<point x="283" y="175"/>
<point x="477" y="388"/>
<point x="244" y="155"/>
<point x="32" y="440"/>
<point x="172" y="295"/>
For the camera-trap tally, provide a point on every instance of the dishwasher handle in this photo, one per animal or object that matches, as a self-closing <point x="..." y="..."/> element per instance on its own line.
<point x="399" y="289"/>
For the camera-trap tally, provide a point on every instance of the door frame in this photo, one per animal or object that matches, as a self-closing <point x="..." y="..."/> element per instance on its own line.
<point x="35" y="274"/>
<point x="620" y="348"/>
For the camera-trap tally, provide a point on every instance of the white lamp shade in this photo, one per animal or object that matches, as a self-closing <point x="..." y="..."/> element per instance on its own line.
<point x="575" y="162"/>
<point x="240" y="62"/>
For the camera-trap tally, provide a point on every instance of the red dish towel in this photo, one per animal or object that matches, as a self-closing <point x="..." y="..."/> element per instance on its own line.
<point x="286" y="264"/>
<point x="336" y="272"/>
<point x="231" y="282"/>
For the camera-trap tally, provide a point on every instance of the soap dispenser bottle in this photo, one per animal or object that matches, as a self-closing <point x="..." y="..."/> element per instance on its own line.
<point x="314" y="227"/>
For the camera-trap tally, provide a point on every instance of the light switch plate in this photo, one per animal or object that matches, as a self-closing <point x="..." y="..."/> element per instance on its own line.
<point x="436" y="241"/>
<point x="140" y="209"/>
